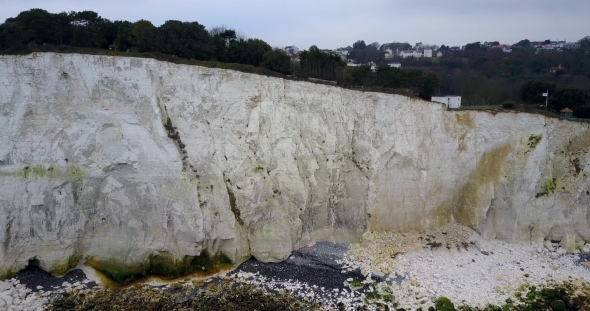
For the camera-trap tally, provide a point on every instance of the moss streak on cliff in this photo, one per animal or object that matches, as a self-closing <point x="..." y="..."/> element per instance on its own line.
<point x="62" y="267"/>
<point x="72" y="172"/>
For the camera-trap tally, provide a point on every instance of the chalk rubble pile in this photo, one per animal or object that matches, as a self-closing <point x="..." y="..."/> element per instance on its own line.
<point x="14" y="296"/>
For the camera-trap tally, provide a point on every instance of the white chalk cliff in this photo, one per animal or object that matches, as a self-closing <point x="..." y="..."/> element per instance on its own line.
<point x="124" y="160"/>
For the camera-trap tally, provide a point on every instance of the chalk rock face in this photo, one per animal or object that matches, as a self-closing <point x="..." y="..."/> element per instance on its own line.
<point x="125" y="160"/>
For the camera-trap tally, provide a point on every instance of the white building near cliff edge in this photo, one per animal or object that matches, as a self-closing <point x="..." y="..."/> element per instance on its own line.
<point x="452" y="102"/>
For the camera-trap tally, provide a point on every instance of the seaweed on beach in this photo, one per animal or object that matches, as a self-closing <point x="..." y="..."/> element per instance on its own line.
<point x="227" y="296"/>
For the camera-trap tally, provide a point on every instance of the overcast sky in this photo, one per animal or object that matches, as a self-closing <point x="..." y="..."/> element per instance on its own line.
<point x="332" y="24"/>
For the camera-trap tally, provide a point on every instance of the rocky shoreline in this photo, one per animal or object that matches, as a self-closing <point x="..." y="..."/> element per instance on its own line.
<point x="408" y="271"/>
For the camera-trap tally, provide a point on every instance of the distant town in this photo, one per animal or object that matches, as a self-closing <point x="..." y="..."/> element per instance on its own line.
<point x="389" y="53"/>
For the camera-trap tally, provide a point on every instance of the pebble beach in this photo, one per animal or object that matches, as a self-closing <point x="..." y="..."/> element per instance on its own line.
<point x="407" y="271"/>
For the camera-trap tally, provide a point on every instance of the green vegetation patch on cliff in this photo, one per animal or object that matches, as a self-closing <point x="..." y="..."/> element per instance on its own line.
<point x="534" y="141"/>
<point x="162" y="264"/>
<point x="549" y="186"/>
<point x="73" y="172"/>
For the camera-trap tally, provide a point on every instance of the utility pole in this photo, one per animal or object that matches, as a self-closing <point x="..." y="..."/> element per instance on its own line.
<point x="546" y="95"/>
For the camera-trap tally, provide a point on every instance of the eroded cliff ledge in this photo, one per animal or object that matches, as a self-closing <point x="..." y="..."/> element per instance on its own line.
<point x="143" y="166"/>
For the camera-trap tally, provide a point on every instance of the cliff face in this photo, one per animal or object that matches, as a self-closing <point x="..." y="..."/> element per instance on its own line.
<point x="146" y="166"/>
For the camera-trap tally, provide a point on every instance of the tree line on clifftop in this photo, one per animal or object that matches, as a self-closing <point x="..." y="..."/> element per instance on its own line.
<point x="39" y="30"/>
<point x="482" y="76"/>
<point x="188" y="40"/>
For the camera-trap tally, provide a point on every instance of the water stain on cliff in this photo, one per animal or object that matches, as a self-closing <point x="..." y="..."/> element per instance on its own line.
<point x="459" y="128"/>
<point x="464" y="205"/>
<point x="465" y="120"/>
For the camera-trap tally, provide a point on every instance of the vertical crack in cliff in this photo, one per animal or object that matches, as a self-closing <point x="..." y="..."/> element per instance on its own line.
<point x="353" y="154"/>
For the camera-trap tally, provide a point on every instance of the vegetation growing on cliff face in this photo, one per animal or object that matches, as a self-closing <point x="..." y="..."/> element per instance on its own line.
<point x="548" y="187"/>
<point x="534" y="141"/>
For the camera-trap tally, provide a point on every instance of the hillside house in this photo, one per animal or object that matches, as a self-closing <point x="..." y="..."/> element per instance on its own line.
<point x="342" y="53"/>
<point x="558" y="69"/>
<point x="291" y="50"/>
<point x="410" y="53"/>
<point x="571" y="45"/>
<point x="389" y="53"/>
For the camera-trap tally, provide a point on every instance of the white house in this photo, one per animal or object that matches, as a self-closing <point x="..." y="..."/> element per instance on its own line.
<point x="389" y="53"/>
<point x="291" y="50"/>
<point x="394" y="65"/>
<point x="373" y="66"/>
<point x="427" y="53"/>
<point x="410" y="53"/>
<point x="342" y="53"/>
<point x="452" y="102"/>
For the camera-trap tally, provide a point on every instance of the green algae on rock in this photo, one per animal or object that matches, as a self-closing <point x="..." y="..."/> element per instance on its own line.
<point x="162" y="265"/>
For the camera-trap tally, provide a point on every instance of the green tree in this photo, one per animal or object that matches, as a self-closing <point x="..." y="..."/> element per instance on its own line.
<point x="39" y="24"/>
<point x="13" y="35"/>
<point x="186" y="40"/>
<point x="473" y="46"/>
<point x="532" y="91"/>
<point x="359" y="45"/>
<point x="144" y="35"/>
<point x="278" y="61"/>
<point x="524" y="43"/>
<point x="124" y="40"/>
<point x="225" y="45"/>
<point x="318" y="64"/>
<point x="576" y="99"/>
<point x="429" y="85"/>
<point x="87" y="29"/>
<point x="254" y="50"/>
<point x="62" y="29"/>
<point x="364" y="76"/>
